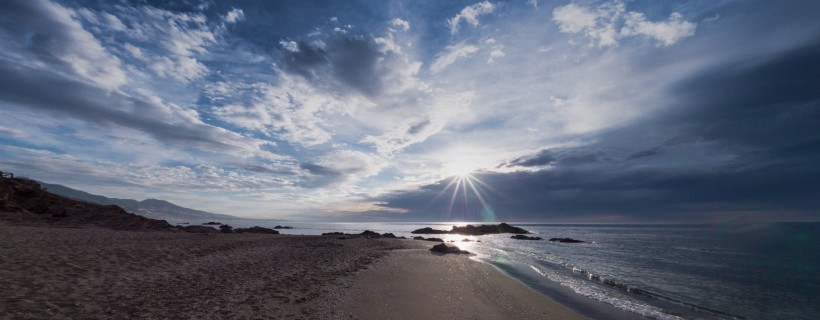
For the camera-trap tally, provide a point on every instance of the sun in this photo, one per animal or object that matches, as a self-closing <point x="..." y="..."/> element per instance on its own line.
<point x="459" y="168"/>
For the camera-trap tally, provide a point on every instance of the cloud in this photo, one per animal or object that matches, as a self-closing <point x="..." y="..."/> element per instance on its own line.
<point x="235" y="15"/>
<point x="496" y="53"/>
<point x="368" y="65"/>
<point x="292" y="110"/>
<point x="291" y="45"/>
<point x="734" y="147"/>
<point x="470" y="15"/>
<point x="171" y="124"/>
<point x="667" y="33"/>
<point x="610" y="22"/>
<point x="42" y="34"/>
<point x="450" y="55"/>
<point x="174" y="39"/>
<point x="400" y="24"/>
<point x="418" y="129"/>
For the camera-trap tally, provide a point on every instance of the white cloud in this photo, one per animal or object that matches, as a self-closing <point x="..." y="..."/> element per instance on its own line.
<point x="182" y="69"/>
<point x="470" y="15"/>
<point x="610" y="22"/>
<point x="291" y="110"/>
<point x="450" y="55"/>
<point x="235" y="15"/>
<point x="533" y="3"/>
<point x="61" y="43"/>
<point x="401" y="24"/>
<point x="291" y="45"/>
<point x="667" y="33"/>
<point x="353" y="164"/>
<point x="417" y="129"/>
<point x="173" y="39"/>
<point x="497" y="53"/>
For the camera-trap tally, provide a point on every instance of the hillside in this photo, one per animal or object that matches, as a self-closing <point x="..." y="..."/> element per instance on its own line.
<point x="149" y="208"/>
<point x="24" y="201"/>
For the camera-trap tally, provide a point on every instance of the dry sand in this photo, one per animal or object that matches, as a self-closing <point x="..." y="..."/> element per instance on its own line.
<point x="61" y="273"/>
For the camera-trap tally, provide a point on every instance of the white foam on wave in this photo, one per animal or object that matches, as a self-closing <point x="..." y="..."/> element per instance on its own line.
<point x="607" y="296"/>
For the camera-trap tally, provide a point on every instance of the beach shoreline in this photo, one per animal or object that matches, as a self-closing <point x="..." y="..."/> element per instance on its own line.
<point x="59" y="272"/>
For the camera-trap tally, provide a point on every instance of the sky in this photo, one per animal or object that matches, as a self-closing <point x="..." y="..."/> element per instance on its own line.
<point x="550" y="111"/>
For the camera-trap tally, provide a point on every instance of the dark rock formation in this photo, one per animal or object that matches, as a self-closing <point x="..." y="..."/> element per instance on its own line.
<point x="22" y="200"/>
<point x="473" y="230"/>
<point x="283" y="227"/>
<point x="429" y="230"/>
<point x="523" y="237"/>
<point x="198" y="229"/>
<point x="566" y="240"/>
<point x="444" y="248"/>
<point x="389" y="236"/>
<point x="428" y="239"/>
<point x="333" y="234"/>
<point x="256" y="229"/>
<point x="212" y="223"/>
<point x="225" y="228"/>
<point x="370" y="234"/>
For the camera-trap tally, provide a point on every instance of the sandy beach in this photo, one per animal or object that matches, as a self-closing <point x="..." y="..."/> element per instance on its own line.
<point x="60" y="273"/>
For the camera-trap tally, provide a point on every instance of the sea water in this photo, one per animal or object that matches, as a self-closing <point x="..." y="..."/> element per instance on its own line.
<point x="720" y="271"/>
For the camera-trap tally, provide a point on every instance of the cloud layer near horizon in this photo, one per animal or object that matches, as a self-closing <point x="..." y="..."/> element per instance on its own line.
<point x="565" y="110"/>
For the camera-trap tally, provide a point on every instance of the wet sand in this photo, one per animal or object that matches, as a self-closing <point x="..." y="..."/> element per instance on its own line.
<point x="418" y="284"/>
<point x="62" y="273"/>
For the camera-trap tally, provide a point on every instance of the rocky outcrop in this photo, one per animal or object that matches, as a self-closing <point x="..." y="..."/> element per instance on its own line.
<point x="198" y="229"/>
<point x="474" y="230"/>
<point x="428" y="239"/>
<point x="566" y="240"/>
<point x="283" y="227"/>
<point x="212" y="223"/>
<point x="23" y="201"/>
<point x="445" y="248"/>
<point x="367" y="234"/>
<point x="256" y="229"/>
<point x="429" y="230"/>
<point x="523" y="237"/>
<point x="370" y="234"/>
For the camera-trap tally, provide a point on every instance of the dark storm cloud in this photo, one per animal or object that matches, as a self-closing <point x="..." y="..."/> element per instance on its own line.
<point x="346" y="62"/>
<point x="558" y="157"/>
<point x="46" y="91"/>
<point x="744" y="139"/>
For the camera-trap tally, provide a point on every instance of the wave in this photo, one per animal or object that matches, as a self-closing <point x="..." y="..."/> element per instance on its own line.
<point x="624" y="288"/>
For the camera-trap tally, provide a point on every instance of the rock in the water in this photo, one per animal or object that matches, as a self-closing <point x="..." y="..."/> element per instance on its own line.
<point x="370" y="234"/>
<point x="429" y="239"/>
<point x="566" y="240"/>
<point x="225" y="228"/>
<point x="283" y="227"/>
<point x="444" y="248"/>
<point x="256" y="229"/>
<point x="523" y="237"/>
<point x="212" y="223"/>
<point x="389" y="235"/>
<point x="198" y="229"/>
<point x="429" y="230"/>
<point x="474" y="230"/>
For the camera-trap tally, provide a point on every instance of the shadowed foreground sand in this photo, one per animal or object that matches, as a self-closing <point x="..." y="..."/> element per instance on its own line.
<point x="49" y="272"/>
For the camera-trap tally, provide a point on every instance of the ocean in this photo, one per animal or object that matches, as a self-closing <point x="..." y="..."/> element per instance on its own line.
<point x="720" y="271"/>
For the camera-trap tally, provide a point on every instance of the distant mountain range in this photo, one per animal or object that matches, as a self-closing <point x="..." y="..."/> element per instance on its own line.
<point x="149" y="208"/>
